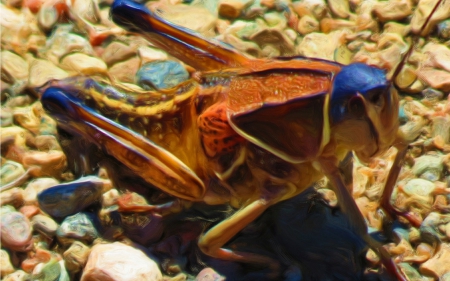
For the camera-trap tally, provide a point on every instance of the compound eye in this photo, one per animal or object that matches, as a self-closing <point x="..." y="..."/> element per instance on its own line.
<point x="356" y="107"/>
<point x="376" y="97"/>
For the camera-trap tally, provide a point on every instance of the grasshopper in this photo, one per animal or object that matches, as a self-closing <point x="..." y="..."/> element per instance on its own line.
<point x="248" y="132"/>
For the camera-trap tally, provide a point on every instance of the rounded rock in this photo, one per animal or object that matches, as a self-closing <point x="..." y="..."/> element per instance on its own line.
<point x="66" y="199"/>
<point x="76" y="256"/>
<point x="80" y="227"/>
<point x="118" y="261"/>
<point x="161" y="75"/>
<point x="44" y="225"/>
<point x="16" y="230"/>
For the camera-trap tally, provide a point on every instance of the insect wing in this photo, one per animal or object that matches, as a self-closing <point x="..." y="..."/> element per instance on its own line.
<point x="284" y="111"/>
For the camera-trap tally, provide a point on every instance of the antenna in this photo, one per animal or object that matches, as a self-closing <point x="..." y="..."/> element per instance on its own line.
<point x="414" y="42"/>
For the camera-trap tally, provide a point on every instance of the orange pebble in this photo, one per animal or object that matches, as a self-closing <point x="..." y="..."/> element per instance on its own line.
<point x="40" y="256"/>
<point x="29" y="211"/>
<point x="33" y="5"/>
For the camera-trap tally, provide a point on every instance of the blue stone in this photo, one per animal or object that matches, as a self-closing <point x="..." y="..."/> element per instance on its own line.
<point x="66" y="199"/>
<point x="161" y="75"/>
<point x="79" y="227"/>
<point x="143" y="228"/>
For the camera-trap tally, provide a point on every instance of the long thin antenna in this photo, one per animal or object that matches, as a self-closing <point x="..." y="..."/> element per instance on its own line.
<point x="414" y="42"/>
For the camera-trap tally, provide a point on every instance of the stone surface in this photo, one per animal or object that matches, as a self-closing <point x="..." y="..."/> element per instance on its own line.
<point x="67" y="199"/>
<point x="14" y="65"/>
<point x="195" y="18"/>
<point x="16" y="230"/>
<point x="45" y="225"/>
<point x="209" y="274"/>
<point x="161" y="75"/>
<point x="117" y="52"/>
<point x="125" y="71"/>
<point x="118" y="261"/>
<point x="438" y="265"/>
<point x="80" y="227"/>
<point x="6" y="266"/>
<point x="340" y="8"/>
<point x="50" y="163"/>
<point x="83" y="64"/>
<point x="41" y="71"/>
<point x="76" y="256"/>
<point x="307" y="24"/>
<point x="34" y="187"/>
<point x="231" y="8"/>
<point x="309" y="47"/>
<point x="439" y="79"/>
<point x="393" y="10"/>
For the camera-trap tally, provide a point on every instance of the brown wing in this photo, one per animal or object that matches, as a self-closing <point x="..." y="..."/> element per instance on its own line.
<point x="282" y="111"/>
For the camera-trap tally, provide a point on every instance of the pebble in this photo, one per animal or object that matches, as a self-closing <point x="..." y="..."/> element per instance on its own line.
<point x="393" y="10"/>
<point x="7" y="267"/>
<point x="86" y="9"/>
<point x="40" y="256"/>
<point x="420" y="187"/>
<point x="423" y="10"/>
<point x="339" y="8"/>
<point x="161" y="75"/>
<point x="44" y="225"/>
<point x="14" y="66"/>
<point x="193" y="17"/>
<point x="428" y="167"/>
<point x="444" y="29"/>
<point x="16" y="230"/>
<point x="307" y="24"/>
<point x="209" y="274"/>
<point x="327" y="25"/>
<point x="309" y="47"/>
<point x="438" y="265"/>
<point x="148" y="54"/>
<point x="41" y="71"/>
<point x="34" y="187"/>
<point x="83" y="64"/>
<point x="63" y="42"/>
<point x="47" y="17"/>
<point x="125" y="71"/>
<point x="143" y="228"/>
<point x="26" y="118"/>
<point x="275" y="20"/>
<point x="46" y="143"/>
<point x="248" y="47"/>
<point x="49" y="271"/>
<point x="29" y="211"/>
<point x="49" y="163"/>
<point x="13" y="196"/>
<point x="232" y="8"/>
<point x="67" y="199"/>
<point x="276" y="38"/>
<point x="119" y="262"/>
<point x="439" y="55"/>
<point x="117" y="52"/>
<point x="429" y="231"/>
<point x="11" y="171"/>
<point x="18" y="275"/>
<point x="409" y="271"/>
<point x="77" y="227"/>
<point x="109" y="198"/>
<point x="435" y="78"/>
<point x="315" y="8"/>
<point x="76" y="256"/>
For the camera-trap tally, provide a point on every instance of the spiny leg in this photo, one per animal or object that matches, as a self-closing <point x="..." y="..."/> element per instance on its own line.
<point x="389" y="188"/>
<point x="349" y="207"/>
<point x="212" y="242"/>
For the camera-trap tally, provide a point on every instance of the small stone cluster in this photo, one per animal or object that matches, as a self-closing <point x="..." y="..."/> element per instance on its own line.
<point x="46" y="231"/>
